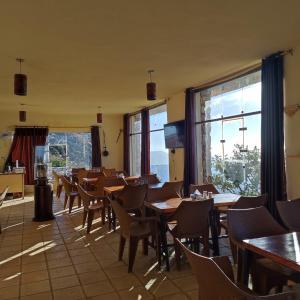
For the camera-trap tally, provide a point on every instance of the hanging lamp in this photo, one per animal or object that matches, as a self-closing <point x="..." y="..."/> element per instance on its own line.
<point x="22" y="115"/>
<point x="151" y="88"/>
<point x="20" y="81"/>
<point x="99" y="116"/>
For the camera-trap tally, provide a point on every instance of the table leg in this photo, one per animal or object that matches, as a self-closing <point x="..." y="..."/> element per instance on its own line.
<point x="245" y="260"/>
<point x="163" y="233"/>
<point x="214" y="232"/>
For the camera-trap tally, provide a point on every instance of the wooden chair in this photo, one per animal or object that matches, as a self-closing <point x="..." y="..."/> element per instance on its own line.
<point x="289" y="212"/>
<point x="161" y="194"/>
<point x="59" y="184"/>
<point x="110" y="172"/>
<point x="2" y="197"/>
<point x="216" y="281"/>
<point x="173" y="186"/>
<point x="149" y="179"/>
<point x="203" y="187"/>
<point x="134" y="229"/>
<point x="255" y="223"/>
<point x="89" y="208"/>
<point x="132" y="198"/>
<point x="192" y="223"/>
<point x="70" y="193"/>
<point x="80" y="175"/>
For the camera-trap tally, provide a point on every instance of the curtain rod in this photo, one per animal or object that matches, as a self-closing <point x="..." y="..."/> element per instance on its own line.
<point x="148" y="107"/>
<point x="229" y="77"/>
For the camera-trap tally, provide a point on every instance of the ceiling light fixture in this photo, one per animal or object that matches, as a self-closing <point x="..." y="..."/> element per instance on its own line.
<point x="99" y="116"/>
<point x="20" y="82"/>
<point x="22" y="114"/>
<point x="151" y="88"/>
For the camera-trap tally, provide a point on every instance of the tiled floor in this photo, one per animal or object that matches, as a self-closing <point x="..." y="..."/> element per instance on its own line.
<point x="56" y="260"/>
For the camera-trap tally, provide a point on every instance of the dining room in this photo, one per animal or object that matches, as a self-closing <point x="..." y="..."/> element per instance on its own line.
<point x="149" y="150"/>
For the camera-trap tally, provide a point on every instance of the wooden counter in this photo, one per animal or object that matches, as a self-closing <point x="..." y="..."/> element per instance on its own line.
<point x="15" y="181"/>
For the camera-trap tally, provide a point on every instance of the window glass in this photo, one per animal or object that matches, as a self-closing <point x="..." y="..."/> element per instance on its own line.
<point x="67" y="150"/>
<point x="159" y="155"/>
<point x="228" y="150"/>
<point x="135" y="144"/>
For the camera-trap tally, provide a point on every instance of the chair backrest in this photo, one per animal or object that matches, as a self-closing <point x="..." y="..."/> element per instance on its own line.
<point x="203" y="187"/>
<point x="94" y="174"/>
<point x="161" y="194"/>
<point x="104" y="181"/>
<point x="251" y="223"/>
<point x="56" y="177"/>
<point x="109" y="172"/>
<point x="133" y="197"/>
<point x="124" y="218"/>
<point x="80" y="175"/>
<point x="173" y="186"/>
<point x="149" y="179"/>
<point x="250" y="202"/>
<point x="214" y="277"/>
<point x="197" y="222"/>
<point x="84" y="196"/>
<point x="289" y="212"/>
<point x="76" y="170"/>
<point x="3" y="195"/>
<point x="67" y="185"/>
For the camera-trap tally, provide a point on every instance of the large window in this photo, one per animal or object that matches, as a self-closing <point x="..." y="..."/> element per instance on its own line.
<point x="228" y="134"/>
<point x="69" y="150"/>
<point x="135" y="144"/>
<point x="159" y="155"/>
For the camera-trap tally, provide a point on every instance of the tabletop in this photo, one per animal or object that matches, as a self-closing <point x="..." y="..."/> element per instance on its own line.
<point x="170" y="205"/>
<point x="283" y="248"/>
<point x="118" y="188"/>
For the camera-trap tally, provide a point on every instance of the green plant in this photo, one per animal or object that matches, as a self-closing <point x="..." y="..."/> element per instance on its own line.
<point x="239" y="173"/>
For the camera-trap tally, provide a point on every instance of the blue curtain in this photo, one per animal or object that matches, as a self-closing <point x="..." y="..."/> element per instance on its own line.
<point x="145" y="155"/>
<point x="273" y="180"/>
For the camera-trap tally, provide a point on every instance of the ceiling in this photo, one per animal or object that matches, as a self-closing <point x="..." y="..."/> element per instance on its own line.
<point x="81" y="54"/>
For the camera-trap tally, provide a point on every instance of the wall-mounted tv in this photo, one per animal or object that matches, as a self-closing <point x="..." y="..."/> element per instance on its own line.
<point x="174" y="134"/>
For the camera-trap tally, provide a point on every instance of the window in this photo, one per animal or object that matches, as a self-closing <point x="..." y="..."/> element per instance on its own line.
<point x="159" y="155"/>
<point x="228" y="134"/>
<point x="69" y="150"/>
<point x="135" y="144"/>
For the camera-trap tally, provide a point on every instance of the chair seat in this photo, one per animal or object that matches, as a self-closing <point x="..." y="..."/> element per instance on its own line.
<point x="140" y="229"/>
<point x="96" y="206"/>
<point x="74" y="194"/>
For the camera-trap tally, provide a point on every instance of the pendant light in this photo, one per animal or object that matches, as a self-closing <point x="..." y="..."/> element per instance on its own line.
<point x="151" y="88"/>
<point x="22" y="115"/>
<point x="99" y="116"/>
<point x="20" y="82"/>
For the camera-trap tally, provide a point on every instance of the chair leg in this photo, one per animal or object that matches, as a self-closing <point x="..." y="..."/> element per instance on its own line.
<point x="71" y="202"/>
<point x="177" y="254"/>
<point x="58" y="191"/>
<point x="79" y="201"/>
<point x="103" y="215"/>
<point x="206" y="245"/>
<point x="133" y="244"/>
<point x="66" y="201"/>
<point x="90" y="220"/>
<point x="121" y="246"/>
<point x="145" y="246"/>
<point x="85" y="213"/>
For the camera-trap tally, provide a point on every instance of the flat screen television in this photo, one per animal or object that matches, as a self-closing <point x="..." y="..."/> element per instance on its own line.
<point x="174" y="134"/>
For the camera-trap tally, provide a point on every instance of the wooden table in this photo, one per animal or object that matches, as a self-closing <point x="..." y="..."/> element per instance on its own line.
<point x="283" y="249"/>
<point x="117" y="188"/>
<point x="165" y="208"/>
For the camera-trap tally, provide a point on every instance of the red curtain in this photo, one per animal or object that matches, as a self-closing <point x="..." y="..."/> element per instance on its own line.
<point x="96" y="149"/>
<point x="126" y="144"/>
<point x="190" y="141"/>
<point x="23" y="148"/>
<point x="145" y="157"/>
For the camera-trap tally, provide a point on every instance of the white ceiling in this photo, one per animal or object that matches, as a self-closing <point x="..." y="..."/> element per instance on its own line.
<point x="80" y="54"/>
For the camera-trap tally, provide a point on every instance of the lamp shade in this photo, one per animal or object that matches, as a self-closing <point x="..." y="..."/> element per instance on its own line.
<point x="20" y="84"/>
<point x="151" y="91"/>
<point x="22" y="116"/>
<point x="99" y="118"/>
